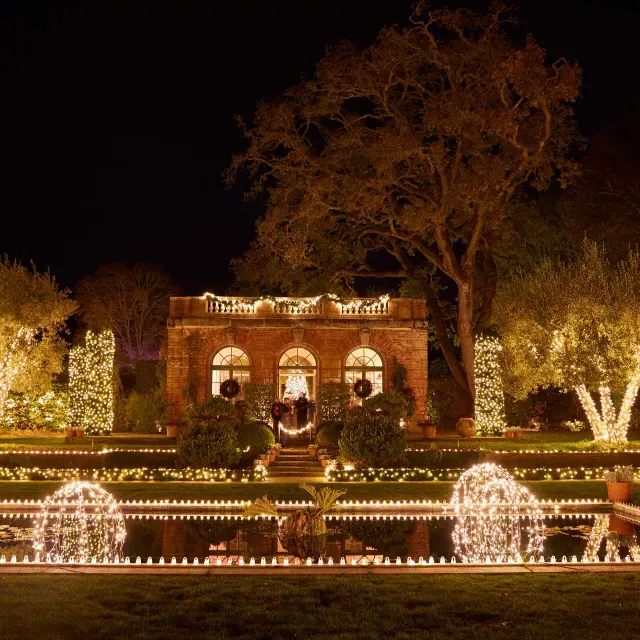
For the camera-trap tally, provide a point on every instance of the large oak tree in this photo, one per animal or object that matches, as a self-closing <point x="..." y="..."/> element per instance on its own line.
<point x="406" y="154"/>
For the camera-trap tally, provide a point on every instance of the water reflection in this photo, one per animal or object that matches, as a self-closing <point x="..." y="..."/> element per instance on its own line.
<point x="356" y="538"/>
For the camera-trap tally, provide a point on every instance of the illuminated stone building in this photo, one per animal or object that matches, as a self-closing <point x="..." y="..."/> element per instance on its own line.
<point x="212" y="339"/>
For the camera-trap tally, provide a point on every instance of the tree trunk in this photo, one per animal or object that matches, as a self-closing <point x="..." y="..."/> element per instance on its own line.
<point x="606" y="426"/>
<point x="465" y="333"/>
<point x="446" y="345"/>
<point x="487" y="267"/>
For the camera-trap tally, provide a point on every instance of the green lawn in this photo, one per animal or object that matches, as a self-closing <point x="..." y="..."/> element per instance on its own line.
<point x="55" y="442"/>
<point x="560" y="440"/>
<point x="580" y="607"/>
<point x="290" y="491"/>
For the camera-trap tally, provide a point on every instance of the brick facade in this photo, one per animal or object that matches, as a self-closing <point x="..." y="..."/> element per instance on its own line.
<point x="198" y="329"/>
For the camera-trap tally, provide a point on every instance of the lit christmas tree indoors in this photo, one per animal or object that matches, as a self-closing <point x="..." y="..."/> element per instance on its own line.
<point x="296" y="386"/>
<point x="490" y="414"/>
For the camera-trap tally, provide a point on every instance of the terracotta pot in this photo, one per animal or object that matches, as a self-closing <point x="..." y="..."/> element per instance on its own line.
<point x="272" y="457"/>
<point x="619" y="491"/>
<point x="620" y="526"/>
<point x="466" y="427"/>
<point x="517" y="434"/>
<point x="429" y="432"/>
<point x="173" y="430"/>
<point x="79" y="433"/>
<point x="265" y="462"/>
<point x="509" y="434"/>
<point x="69" y="433"/>
<point x="313" y="452"/>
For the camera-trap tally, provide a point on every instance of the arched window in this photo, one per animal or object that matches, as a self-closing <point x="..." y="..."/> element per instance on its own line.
<point x="298" y="363"/>
<point x="364" y="363"/>
<point x="229" y="362"/>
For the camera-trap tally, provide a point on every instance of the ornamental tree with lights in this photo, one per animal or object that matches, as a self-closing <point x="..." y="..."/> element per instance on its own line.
<point x="489" y="407"/>
<point x="575" y="325"/>
<point x="413" y="147"/>
<point x="33" y="313"/>
<point x="91" y="392"/>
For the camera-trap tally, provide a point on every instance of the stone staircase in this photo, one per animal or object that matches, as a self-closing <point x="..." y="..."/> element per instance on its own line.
<point x="295" y="462"/>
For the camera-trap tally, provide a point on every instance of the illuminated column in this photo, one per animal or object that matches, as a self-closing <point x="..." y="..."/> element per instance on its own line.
<point x="489" y="407"/>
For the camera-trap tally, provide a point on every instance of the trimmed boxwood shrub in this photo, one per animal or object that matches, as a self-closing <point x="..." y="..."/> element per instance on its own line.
<point x="373" y="440"/>
<point x="209" y="444"/>
<point x="259" y="398"/>
<point x="388" y="403"/>
<point x="329" y="434"/>
<point x="210" y="438"/>
<point x="256" y="435"/>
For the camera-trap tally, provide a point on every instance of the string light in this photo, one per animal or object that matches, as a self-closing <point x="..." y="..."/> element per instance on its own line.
<point x="90" y="524"/>
<point x="296" y="432"/>
<point x="294" y="306"/>
<point x="91" y="384"/>
<point x="13" y="361"/>
<point x="483" y="530"/>
<point x="296" y="387"/>
<point x="489" y="403"/>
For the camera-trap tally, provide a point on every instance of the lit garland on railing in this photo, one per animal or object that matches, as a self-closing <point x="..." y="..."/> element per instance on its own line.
<point x="449" y="475"/>
<point x="91" y="383"/>
<point x="141" y="474"/>
<point x="489" y="403"/>
<point x="298" y="306"/>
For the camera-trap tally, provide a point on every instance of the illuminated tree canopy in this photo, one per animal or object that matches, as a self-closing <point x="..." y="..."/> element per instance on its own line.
<point x="575" y="325"/>
<point x="411" y="150"/>
<point x="33" y="313"/>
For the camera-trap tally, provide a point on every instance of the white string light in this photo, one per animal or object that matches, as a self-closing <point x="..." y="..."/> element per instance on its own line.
<point x="489" y="402"/>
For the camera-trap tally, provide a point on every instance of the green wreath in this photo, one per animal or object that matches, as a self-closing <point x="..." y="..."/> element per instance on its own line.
<point x="363" y="388"/>
<point x="229" y="389"/>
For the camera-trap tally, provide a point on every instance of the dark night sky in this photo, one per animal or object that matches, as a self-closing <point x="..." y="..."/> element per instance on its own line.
<point x="117" y="119"/>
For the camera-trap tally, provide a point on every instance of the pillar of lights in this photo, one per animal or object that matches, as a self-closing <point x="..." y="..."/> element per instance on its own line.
<point x="489" y="404"/>
<point x="493" y="514"/>
<point x="79" y="522"/>
<point x="91" y="383"/>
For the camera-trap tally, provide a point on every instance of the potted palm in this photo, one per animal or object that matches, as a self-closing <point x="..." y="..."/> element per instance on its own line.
<point x="620" y="484"/>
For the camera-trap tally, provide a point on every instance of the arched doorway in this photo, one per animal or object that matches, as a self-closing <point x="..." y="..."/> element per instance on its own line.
<point x="297" y="373"/>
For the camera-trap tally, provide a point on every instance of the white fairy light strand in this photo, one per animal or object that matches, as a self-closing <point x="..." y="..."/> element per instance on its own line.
<point x="489" y="402"/>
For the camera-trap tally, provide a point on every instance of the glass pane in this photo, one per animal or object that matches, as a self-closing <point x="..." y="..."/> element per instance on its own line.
<point x="297" y="357"/>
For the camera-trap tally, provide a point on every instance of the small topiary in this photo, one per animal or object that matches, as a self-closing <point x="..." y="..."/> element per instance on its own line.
<point x="373" y="439"/>
<point x="209" y="444"/>
<point x="389" y="403"/>
<point x="255" y="435"/>
<point x="329" y="434"/>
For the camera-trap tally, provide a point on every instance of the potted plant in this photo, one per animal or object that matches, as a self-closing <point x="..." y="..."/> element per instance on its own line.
<point x="620" y="484"/>
<point x="272" y="455"/>
<point x="276" y="448"/>
<point x="79" y="433"/>
<point x="517" y="432"/>
<point x="69" y="433"/>
<point x="313" y="450"/>
<point x="265" y="459"/>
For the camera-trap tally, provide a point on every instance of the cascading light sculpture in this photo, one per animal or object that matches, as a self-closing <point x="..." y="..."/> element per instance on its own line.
<point x="79" y="522"/>
<point x="91" y="394"/>
<point x="493" y="513"/>
<point x="489" y="403"/>
<point x="600" y="531"/>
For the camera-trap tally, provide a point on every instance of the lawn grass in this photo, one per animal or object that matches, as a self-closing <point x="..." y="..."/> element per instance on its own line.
<point x="579" y="606"/>
<point x="290" y="491"/>
<point x="547" y="440"/>
<point x="52" y="443"/>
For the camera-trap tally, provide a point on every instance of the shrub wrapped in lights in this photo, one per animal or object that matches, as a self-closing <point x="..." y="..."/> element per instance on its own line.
<point x="489" y="403"/>
<point x="91" y="392"/>
<point x="77" y="523"/>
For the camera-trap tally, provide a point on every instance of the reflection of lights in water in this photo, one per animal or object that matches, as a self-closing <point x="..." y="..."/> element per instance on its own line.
<point x="493" y="513"/>
<point x="601" y="531"/>
<point x="79" y="522"/>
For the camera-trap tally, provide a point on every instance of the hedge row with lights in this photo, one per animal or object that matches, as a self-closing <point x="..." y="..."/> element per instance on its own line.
<point x="449" y="475"/>
<point x="142" y="474"/>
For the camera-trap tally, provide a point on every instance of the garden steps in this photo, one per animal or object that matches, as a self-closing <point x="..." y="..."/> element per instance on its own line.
<point x="295" y="462"/>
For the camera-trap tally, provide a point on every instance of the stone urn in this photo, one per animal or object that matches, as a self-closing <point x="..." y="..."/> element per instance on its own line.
<point x="466" y="427"/>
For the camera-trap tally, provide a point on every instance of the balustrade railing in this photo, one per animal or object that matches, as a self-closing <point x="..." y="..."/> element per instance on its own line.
<point x="365" y="307"/>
